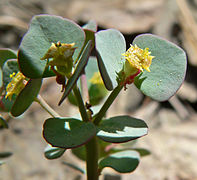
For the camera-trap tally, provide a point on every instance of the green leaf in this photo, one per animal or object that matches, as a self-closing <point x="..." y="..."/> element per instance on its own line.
<point x="26" y="97"/>
<point x="67" y="132"/>
<point x="110" y="44"/>
<point x="44" y="30"/>
<point x="91" y="25"/>
<point x="5" y="54"/>
<point x="3" y="123"/>
<point x="9" y="67"/>
<point x="80" y="67"/>
<point x="122" y="162"/>
<point x="168" y="68"/>
<point x="5" y="154"/>
<point x="53" y="152"/>
<point x="121" y="129"/>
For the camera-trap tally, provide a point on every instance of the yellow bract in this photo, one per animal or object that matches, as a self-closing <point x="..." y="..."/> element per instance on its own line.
<point x="96" y="79"/>
<point x="17" y="83"/>
<point x="139" y="58"/>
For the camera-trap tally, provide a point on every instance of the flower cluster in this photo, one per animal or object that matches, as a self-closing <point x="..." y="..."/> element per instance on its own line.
<point x="16" y="85"/>
<point x="62" y="57"/>
<point x="136" y="60"/>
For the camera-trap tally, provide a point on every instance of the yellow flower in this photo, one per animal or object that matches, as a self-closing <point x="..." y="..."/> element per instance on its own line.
<point x="96" y="79"/>
<point x="62" y="57"/>
<point x="16" y="85"/>
<point x="138" y="58"/>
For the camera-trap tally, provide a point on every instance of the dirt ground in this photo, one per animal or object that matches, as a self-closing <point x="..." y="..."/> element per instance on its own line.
<point x="172" y="137"/>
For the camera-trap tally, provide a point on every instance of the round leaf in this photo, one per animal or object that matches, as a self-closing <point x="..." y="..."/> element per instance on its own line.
<point x="121" y="129"/>
<point x="44" y="30"/>
<point x="53" y="152"/>
<point x="168" y="68"/>
<point x="26" y="97"/>
<point x="67" y="132"/>
<point x="110" y="44"/>
<point x="123" y="162"/>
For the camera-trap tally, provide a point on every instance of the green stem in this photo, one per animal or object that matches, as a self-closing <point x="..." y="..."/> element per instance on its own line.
<point x="98" y="117"/>
<point x="92" y="159"/>
<point x="46" y="107"/>
<point x="80" y="103"/>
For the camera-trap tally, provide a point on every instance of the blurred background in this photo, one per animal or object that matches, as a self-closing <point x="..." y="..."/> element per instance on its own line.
<point x="172" y="137"/>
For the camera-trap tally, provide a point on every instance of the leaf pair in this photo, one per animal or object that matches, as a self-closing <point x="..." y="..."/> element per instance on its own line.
<point x="65" y="133"/>
<point x="168" y="67"/>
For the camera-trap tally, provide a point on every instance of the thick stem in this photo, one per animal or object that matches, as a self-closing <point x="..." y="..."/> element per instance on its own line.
<point x="92" y="159"/>
<point x="46" y="107"/>
<point x="80" y="103"/>
<point x="98" y="117"/>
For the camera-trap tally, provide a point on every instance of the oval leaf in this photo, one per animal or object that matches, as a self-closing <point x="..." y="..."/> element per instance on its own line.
<point x="121" y="129"/>
<point x="5" y="154"/>
<point x="67" y="132"/>
<point x="44" y="30"/>
<point x="168" y="68"/>
<point x="26" y="97"/>
<point x="80" y="67"/>
<point x="53" y="152"/>
<point x="110" y="44"/>
<point x="123" y="162"/>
